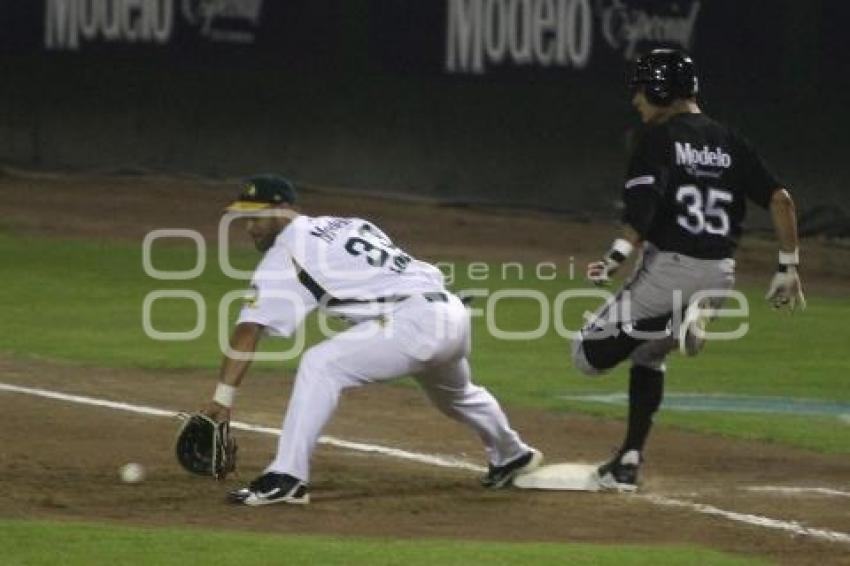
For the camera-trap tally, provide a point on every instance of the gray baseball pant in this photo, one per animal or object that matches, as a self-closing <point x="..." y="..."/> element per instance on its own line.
<point x="651" y="302"/>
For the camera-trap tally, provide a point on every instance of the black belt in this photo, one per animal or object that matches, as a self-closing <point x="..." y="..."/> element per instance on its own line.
<point x="342" y="302"/>
<point x="431" y="297"/>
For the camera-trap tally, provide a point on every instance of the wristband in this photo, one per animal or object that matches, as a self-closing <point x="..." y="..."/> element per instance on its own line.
<point x="789" y="258"/>
<point x="620" y="250"/>
<point x="225" y="395"/>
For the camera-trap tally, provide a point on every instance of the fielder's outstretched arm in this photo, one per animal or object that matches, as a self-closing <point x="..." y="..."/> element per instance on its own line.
<point x="244" y="340"/>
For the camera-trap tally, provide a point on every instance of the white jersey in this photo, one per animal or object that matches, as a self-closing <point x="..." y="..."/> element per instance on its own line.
<point x="346" y="266"/>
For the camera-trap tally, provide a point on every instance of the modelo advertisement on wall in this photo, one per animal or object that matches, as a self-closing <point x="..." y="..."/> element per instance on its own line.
<point x="306" y="30"/>
<point x="72" y="24"/>
<point x="503" y="37"/>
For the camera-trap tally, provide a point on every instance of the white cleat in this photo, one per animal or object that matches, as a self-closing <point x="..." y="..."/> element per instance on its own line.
<point x="692" y="329"/>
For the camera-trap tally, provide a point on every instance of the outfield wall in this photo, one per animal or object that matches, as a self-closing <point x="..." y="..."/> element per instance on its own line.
<point x="505" y="101"/>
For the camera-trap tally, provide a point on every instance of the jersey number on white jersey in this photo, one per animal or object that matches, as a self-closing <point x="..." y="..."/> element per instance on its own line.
<point x="377" y="249"/>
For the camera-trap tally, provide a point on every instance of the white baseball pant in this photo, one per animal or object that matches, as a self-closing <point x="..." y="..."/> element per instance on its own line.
<point x="427" y="339"/>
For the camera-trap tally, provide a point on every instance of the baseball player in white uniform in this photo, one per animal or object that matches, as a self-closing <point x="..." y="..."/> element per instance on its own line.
<point x="403" y="322"/>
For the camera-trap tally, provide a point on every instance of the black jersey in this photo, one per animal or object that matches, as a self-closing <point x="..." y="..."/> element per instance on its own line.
<point x="687" y="185"/>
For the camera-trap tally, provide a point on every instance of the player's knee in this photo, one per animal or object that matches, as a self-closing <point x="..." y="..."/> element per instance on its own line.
<point x="649" y="358"/>
<point x="581" y="361"/>
<point x="450" y="400"/>
<point x="448" y="407"/>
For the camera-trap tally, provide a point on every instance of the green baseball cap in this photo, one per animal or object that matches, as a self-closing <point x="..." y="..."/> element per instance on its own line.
<point x="263" y="191"/>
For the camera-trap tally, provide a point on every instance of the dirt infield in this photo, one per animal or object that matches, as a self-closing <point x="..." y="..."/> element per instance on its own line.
<point x="60" y="460"/>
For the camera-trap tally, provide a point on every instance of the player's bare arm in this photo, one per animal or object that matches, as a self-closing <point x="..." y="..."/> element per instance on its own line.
<point x="785" y="288"/>
<point x="244" y="339"/>
<point x="784" y="215"/>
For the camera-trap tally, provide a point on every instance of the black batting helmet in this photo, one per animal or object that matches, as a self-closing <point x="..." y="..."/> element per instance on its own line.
<point x="664" y="75"/>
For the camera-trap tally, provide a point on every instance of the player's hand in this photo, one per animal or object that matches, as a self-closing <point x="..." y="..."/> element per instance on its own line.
<point x="216" y="412"/>
<point x="599" y="272"/>
<point x="786" y="290"/>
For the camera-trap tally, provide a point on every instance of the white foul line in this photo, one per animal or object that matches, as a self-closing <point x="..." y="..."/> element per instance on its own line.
<point x="444" y="462"/>
<point x="797" y="490"/>
<point x="441" y="461"/>
<point x="757" y="520"/>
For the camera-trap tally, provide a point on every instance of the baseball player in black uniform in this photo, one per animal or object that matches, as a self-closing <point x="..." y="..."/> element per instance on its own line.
<point x="685" y="195"/>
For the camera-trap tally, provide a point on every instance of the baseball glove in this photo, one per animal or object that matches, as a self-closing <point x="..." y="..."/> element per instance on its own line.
<point x="205" y="447"/>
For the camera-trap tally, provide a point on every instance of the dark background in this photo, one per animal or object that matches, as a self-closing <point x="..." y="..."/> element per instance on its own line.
<point x="354" y="94"/>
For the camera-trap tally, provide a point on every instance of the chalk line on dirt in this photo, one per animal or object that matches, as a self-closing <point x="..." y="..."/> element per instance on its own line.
<point x="796" y="490"/>
<point x="433" y="460"/>
<point x="757" y="520"/>
<point x="446" y="462"/>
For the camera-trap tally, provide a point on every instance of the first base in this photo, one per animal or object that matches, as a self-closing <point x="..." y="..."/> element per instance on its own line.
<point x="572" y="477"/>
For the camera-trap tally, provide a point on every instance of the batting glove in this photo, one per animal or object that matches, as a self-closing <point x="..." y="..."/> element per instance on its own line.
<point x="785" y="288"/>
<point x="599" y="272"/>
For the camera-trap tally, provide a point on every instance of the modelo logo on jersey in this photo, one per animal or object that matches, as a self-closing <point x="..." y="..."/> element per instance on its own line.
<point x="688" y="156"/>
<point x="521" y="32"/>
<point x="70" y="21"/>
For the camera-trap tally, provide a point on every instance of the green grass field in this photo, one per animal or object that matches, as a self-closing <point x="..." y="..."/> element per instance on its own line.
<point x="91" y="545"/>
<point x="93" y="293"/>
<point x="81" y="303"/>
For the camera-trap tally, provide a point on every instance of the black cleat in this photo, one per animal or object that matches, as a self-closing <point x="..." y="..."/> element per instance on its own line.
<point x="620" y="473"/>
<point x="501" y="476"/>
<point x="272" y="488"/>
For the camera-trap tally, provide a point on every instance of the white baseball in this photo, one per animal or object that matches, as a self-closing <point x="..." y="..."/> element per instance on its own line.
<point x="132" y="473"/>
